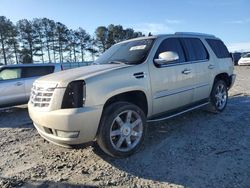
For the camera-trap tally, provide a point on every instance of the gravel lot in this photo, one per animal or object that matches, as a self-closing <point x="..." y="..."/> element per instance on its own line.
<point x="198" y="149"/>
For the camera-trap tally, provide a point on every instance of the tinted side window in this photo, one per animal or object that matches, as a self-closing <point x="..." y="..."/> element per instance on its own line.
<point x="194" y="49"/>
<point x="219" y="48"/>
<point x="171" y="44"/>
<point x="37" y="71"/>
<point x="10" y="73"/>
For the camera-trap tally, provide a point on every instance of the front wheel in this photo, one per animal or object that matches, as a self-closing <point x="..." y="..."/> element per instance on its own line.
<point x="219" y="96"/>
<point x="122" y="129"/>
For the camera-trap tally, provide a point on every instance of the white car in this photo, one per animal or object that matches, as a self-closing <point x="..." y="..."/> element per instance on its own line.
<point x="134" y="82"/>
<point x="245" y="59"/>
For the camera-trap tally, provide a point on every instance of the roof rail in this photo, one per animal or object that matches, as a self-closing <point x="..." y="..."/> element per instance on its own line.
<point x="194" y="33"/>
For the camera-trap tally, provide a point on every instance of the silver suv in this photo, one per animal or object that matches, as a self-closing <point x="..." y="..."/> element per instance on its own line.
<point x="16" y="81"/>
<point x="134" y="82"/>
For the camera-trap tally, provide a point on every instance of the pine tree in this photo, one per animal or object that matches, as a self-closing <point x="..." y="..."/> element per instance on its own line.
<point x="102" y="38"/>
<point x="13" y="42"/>
<point x="5" y="36"/>
<point x="61" y="38"/>
<point x="107" y="36"/>
<point x="29" y="40"/>
<point x="39" y="32"/>
<point x="84" y="41"/>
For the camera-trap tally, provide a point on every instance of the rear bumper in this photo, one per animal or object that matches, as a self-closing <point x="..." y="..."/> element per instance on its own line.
<point x="232" y="80"/>
<point x="67" y="126"/>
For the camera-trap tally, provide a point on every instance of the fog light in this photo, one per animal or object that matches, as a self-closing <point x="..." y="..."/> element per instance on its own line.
<point x="67" y="134"/>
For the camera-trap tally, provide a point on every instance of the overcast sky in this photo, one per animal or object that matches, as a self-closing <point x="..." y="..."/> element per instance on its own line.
<point x="227" y="19"/>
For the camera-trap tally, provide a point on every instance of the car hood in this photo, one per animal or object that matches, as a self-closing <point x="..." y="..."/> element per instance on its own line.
<point x="62" y="78"/>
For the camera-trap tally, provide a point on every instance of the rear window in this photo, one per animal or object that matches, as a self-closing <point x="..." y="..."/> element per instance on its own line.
<point x="219" y="48"/>
<point x="194" y="49"/>
<point x="37" y="71"/>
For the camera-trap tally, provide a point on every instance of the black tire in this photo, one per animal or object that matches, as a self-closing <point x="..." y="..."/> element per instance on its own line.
<point x="214" y="99"/>
<point x="109" y="123"/>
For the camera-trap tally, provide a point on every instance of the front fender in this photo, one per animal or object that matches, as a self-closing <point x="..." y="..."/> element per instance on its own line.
<point x="101" y="88"/>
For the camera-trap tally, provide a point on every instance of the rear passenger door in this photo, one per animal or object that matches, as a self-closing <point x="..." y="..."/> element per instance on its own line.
<point x="198" y="57"/>
<point x="30" y="74"/>
<point x="221" y="58"/>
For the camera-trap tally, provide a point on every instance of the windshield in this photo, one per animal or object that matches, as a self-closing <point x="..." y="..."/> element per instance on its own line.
<point x="246" y="55"/>
<point x="133" y="52"/>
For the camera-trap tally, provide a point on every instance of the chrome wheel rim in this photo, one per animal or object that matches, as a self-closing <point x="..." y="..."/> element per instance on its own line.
<point x="126" y="131"/>
<point x="221" y="96"/>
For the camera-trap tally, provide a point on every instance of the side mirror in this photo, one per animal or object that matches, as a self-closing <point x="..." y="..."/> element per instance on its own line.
<point x="166" y="57"/>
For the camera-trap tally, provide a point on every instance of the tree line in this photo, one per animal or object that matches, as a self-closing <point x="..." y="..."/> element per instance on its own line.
<point x="45" y="40"/>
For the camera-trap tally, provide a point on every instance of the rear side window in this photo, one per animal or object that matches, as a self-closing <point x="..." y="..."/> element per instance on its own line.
<point x="171" y="44"/>
<point x="194" y="49"/>
<point x="219" y="48"/>
<point x="37" y="71"/>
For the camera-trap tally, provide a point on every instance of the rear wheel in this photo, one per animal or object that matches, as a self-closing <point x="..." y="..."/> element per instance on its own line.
<point x="122" y="129"/>
<point x="219" y="96"/>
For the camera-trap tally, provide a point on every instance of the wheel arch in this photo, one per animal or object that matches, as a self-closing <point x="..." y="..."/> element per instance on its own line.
<point x="223" y="76"/>
<point x="136" y="97"/>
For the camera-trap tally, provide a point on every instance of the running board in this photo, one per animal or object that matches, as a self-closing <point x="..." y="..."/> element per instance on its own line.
<point x="177" y="114"/>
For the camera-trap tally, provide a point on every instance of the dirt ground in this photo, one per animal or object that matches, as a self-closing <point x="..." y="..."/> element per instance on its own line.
<point x="198" y="149"/>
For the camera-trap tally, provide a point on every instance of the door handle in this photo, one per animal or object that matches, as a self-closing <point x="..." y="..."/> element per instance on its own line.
<point x="186" y="71"/>
<point x="211" y="66"/>
<point x="18" y="84"/>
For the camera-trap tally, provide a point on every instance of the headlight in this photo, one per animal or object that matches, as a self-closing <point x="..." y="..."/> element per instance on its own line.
<point x="74" y="96"/>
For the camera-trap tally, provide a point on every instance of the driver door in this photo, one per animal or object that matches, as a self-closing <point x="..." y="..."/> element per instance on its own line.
<point x="171" y="82"/>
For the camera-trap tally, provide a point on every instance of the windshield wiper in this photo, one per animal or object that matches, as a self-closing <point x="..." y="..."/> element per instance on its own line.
<point x="117" y="62"/>
<point x="110" y="62"/>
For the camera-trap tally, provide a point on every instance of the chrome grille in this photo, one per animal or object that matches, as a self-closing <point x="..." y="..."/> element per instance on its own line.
<point x="41" y="95"/>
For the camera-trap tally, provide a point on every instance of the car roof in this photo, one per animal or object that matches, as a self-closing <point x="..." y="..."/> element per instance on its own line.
<point x="178" y="34"/>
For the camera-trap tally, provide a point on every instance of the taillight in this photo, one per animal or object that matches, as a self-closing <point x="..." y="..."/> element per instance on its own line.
<point x="74" y="96"/>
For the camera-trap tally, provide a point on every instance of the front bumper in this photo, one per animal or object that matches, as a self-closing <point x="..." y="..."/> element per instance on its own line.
<point x="67" y="127"/>
<point x="243" y="63"/>
<point x="232" y="80"/>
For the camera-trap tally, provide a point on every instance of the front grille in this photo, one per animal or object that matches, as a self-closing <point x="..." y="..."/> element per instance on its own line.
<point x="41" y="95"/>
